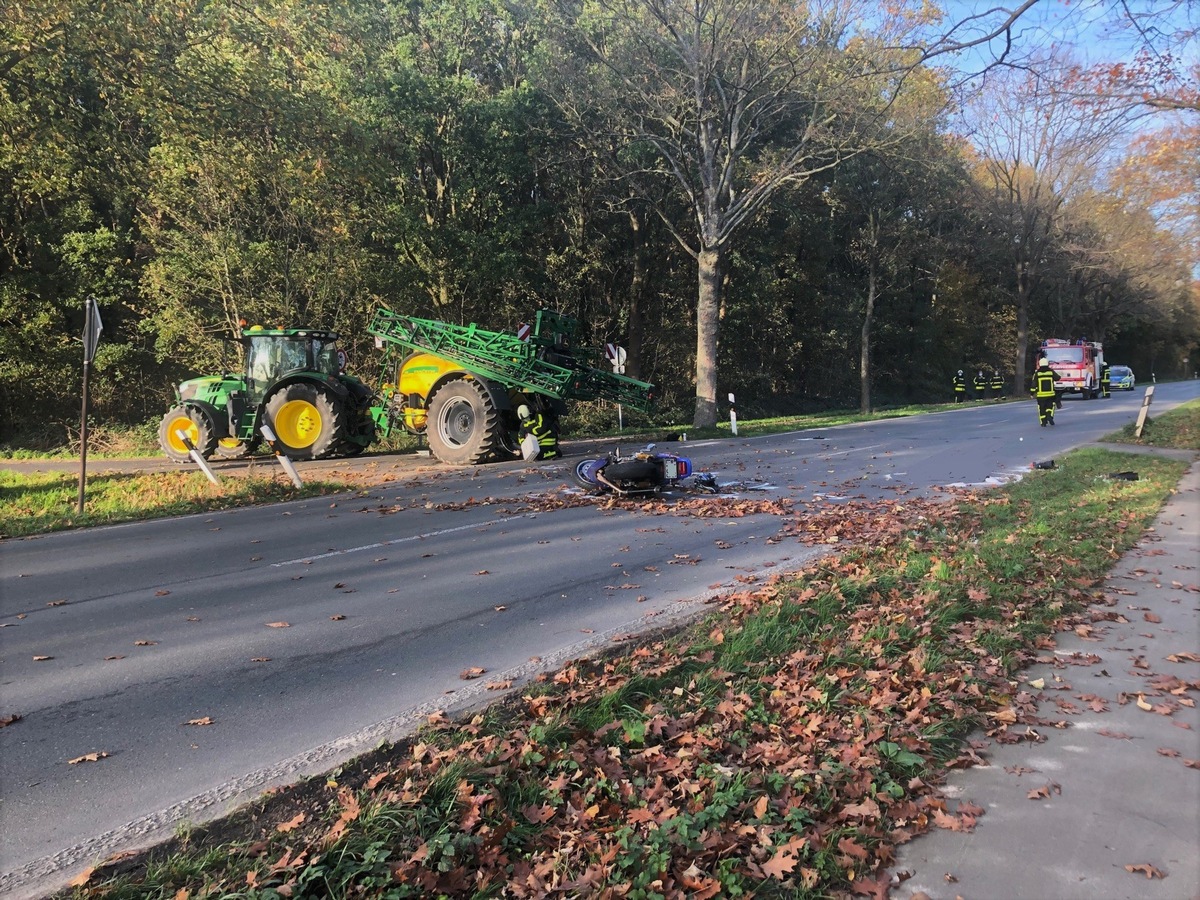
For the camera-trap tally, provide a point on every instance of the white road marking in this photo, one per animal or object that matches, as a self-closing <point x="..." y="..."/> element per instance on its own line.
<point x="403" y="540"/>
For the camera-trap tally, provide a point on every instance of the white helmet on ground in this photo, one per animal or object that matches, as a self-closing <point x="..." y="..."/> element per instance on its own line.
<point x="523" y="411"/>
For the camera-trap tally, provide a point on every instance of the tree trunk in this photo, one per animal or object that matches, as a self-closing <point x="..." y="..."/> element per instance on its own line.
<point x="708" y="307"/>
<point x="864" y="362"/>
<point x="633" y="339"/>
<point x="1022" y="331"/>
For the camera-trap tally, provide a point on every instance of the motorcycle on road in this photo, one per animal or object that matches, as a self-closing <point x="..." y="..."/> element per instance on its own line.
<point x="646" y="471"/>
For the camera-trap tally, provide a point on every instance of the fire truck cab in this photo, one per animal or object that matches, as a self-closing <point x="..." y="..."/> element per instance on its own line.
<point x="1078" y="364"/>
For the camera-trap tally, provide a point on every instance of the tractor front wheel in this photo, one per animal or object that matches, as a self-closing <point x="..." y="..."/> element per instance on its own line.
<point x="191" y="421"/>
<point x="307" y="421"/>
<point x="232" y="448"/>
<point x="463" y="426"/>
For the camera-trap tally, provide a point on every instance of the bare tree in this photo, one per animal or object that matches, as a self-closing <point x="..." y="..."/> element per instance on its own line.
<point x="1040" y="149"/>
<point x="737" y="98"/>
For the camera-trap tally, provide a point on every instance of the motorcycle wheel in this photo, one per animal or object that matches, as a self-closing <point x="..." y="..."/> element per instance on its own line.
<point x="584" y="475"/>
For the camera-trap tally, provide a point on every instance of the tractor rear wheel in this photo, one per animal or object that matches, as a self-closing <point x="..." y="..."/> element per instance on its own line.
<point x="307" y="421"/>
<point x="463" y="426"/>
<point x="193" y="422"/>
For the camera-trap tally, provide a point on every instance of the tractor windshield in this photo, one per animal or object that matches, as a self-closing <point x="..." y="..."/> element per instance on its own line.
<point x="271" y="356"/>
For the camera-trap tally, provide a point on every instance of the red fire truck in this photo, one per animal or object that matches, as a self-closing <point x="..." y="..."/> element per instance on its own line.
<point x="1078" y="365"/>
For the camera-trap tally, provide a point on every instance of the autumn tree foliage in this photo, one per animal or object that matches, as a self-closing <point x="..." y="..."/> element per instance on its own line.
<point x="669" y="173"/>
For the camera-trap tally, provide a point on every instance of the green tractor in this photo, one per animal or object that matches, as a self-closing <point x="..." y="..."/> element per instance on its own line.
<point x="294" y="383"/>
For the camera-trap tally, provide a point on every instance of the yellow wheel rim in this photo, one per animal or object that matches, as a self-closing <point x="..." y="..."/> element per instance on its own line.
<point x="230" y="443"/>
<point x="298" y="423"/>
<point x="188" y="427"/>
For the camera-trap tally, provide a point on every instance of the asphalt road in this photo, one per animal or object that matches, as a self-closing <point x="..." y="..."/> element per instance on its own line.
<point x="300" y="634"/>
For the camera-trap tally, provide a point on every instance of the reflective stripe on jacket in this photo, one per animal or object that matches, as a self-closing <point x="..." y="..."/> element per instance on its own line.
<point x="540" y="429"/>
<point x="1043" y="382"/>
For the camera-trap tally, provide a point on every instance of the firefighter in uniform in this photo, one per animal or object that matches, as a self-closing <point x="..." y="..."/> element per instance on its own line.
<point x="997" y="385"/>
<point x="543" y="428"/>
<point x="981" y="385"/>
<point x="1105" y="381"/>
<point x="960" y="387"/>
<point x="1043" y="391"/>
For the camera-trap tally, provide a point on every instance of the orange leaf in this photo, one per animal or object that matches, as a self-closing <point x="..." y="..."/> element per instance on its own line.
<point x="1147" y="869"/>
<point x="82" y="878"/>
<point x="779" y="866"/>
<point x="279" y="625"/>
<point x="88" y="757"/>
<point x="473" y="672"/>
<point x="207" y="720"/>
<point x="292" y="823"/>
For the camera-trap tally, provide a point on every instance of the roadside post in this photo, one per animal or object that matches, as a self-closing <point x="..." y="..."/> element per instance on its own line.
<point x="1144" y="411"/>
<point x="281" y="456"/>
<point x="195" y="455"/>
<point x="732" y="415"/>
<point x="92" y="326"/>
<point x="617" y="355"/>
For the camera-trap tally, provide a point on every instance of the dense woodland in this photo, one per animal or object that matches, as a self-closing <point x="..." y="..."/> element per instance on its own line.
<point x="794" y="202"/>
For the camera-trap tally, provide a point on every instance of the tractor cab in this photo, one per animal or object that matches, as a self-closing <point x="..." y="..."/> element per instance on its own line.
<point x="276" y="353"/>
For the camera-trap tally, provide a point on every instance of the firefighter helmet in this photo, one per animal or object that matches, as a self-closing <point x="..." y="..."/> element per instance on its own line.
<point x="523" y="412"/>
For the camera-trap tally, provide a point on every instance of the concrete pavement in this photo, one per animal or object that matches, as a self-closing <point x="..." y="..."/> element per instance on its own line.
<point x="1109" y="806"/>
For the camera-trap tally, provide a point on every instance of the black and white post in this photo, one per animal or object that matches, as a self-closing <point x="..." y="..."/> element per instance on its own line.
<point x="92" y="326"/>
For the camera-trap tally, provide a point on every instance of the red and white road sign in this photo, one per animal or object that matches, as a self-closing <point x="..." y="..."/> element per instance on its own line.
<point x="523" y="331"/>
<point x="610" y="352"/>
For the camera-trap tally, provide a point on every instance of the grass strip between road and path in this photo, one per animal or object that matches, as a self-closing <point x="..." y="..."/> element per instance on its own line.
<point x="48" y="501"/>
<point x="780" y="747"/>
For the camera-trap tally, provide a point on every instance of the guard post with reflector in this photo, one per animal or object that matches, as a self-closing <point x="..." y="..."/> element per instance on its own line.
<point x="616" y="355"/>
<point x="92" y="326"/>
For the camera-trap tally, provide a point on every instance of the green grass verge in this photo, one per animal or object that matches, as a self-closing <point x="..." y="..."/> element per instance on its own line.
<point x="49" y="501"/>
<point x="1177" y="428"/>
<point x="780" y="748"/>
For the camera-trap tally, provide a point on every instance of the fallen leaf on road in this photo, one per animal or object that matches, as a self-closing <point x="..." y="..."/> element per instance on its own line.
<point x="110" y="658"/>
<point x="88" y="757"/>
<point x="144" y="643"/>
<point x="483" y="572"/>
<point x="42" y="658"/>
<point x="1142" y="704"/>
<point x="57" y="603"/>
<point x="279" y="624"/>
<point x="260" y="659"/>
<point x="1167" y="751"/>
<point x="207" y="720"/>
<point x="161" y="593"/>
<point x="337" y="617"/>
<point x="1147" y="869"/>
<point x="8" y="720"/>
<point x="1152" y="617"/>
<point x="1120" y="735"/>
<point x="1044" y="791"/>
<point x="473" y="672"/>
